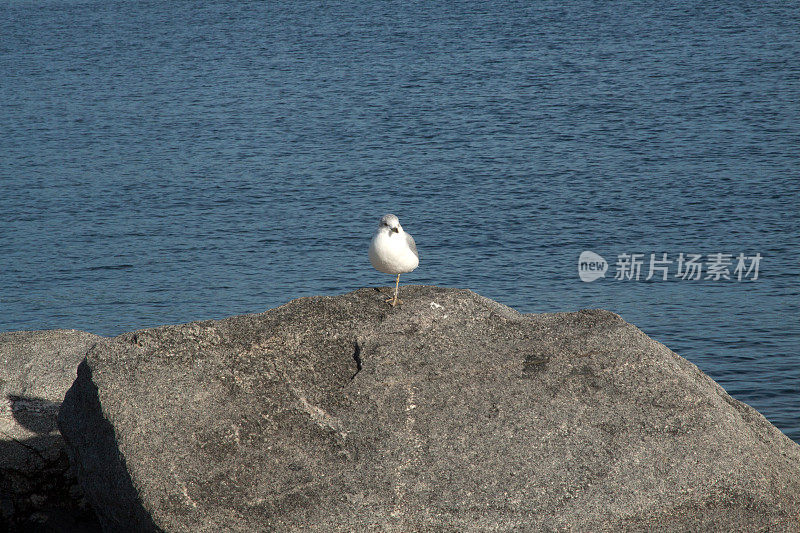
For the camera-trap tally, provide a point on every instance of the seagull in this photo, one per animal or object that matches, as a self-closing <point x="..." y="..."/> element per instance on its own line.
<point x="393" y="251"/>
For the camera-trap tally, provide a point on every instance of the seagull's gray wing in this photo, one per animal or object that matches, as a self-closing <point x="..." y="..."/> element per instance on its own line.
<point x="411" y="244"/>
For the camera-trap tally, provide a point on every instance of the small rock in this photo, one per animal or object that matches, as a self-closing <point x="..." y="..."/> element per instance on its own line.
<point x="36" y="369"/>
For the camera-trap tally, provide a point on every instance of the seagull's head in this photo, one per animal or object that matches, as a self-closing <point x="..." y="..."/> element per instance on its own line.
<point x="391" y="224"/>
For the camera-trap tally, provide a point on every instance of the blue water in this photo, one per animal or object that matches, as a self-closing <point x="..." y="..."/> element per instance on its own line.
<point x="163" y="162"/>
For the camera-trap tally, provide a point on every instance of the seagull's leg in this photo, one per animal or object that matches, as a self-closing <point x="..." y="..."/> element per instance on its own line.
<point x="394" y="301"/>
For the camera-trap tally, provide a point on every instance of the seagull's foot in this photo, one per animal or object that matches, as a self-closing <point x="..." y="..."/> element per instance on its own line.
<point x="393" y="301"/>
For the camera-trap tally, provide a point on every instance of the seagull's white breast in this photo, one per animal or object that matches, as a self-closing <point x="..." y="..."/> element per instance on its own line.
<point x="389" y="253"/>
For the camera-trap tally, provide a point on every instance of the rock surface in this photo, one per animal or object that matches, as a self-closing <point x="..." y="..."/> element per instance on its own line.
<point x="37" y="492"/>
<point x="449" y="413"/>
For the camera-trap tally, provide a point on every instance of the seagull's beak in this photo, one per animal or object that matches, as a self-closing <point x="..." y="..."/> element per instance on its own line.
<point x="395" y="230"/>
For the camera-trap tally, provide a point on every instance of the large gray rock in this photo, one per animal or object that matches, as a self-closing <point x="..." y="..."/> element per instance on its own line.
<point x="37" y="491"/>
<point x="449" y="413"/>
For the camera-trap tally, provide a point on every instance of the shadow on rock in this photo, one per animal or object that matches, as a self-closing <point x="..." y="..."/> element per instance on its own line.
<point x="98" y="434"/>
<point x="38" y="492"/>
<point x="34" y="414"/>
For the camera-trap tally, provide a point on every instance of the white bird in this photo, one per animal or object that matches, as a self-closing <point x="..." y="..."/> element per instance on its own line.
<point x="393" y="251"/>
